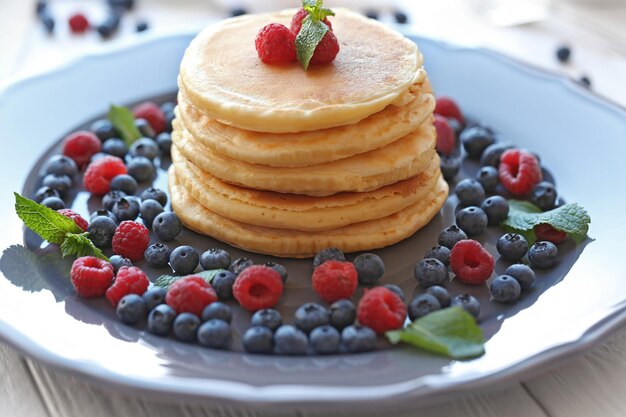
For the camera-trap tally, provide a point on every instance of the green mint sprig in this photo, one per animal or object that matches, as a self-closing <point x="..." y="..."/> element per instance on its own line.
<point x="56" y="228"/>
<point x="570" y="218"/>
<point x="449" y="332"/>
<point x="165" y="281"/>
<point x="312" y="31"/>
<point x="124" y="122"/>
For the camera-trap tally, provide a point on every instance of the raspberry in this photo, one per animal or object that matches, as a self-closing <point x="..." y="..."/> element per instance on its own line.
<point x="78" y="23"/>
<point x="129" y="280"/>
<point x="190" y="295"/>
<point x="447" y="107"/>
<point x="326" y="50"/>
<point x="81" y="146"/>
<point x="275" y="44"/>
<point x="445" y="135"/>
<point x="152" y="114"/>
<point x="131" y="239"/>
<point x="99" y="174"/>
<point x="471" y="263"/>
<point x="296" y="21"/>
<point x="519" y="171"/>
<point x="91" y="276"/>
<point x="546" y="232"/>
<point x="258" y="287"/>
<point x="381" y="309"/>
<point x="78" y="219"/>
<point x="334" y="280"/>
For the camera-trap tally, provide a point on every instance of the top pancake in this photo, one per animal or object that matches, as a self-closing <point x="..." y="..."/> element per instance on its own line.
<point x="222" y="76"/>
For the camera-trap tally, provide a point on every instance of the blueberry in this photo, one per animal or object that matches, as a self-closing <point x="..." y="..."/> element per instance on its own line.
<point x="167" y="226"/>
<point x="124" y="183"/>
<point x="44" y="192"/>
<point x="491" y="155"/>
<point x="475" y="140"/>
<point x="342" y="314"/>
<point x="215" y="258"/>
<point x="141" y="169"/>
<point x="441" y="294"/>
<point x="523" y="274"/>
<point x="258" y="339"/>
<point x="290" y="341"/>
<point x="450" y="167"/>
<point x="372" y="14"/>
<point x="422" y="305"/>
<point x="104" y="130"/>
<point x="158" y="255"/>
<point x="154" y="297"/>
<point x="168" y="107"/>
<point x="472" y="220"/>
<point x="356" y="338"/>
<point x="512" y="247"/>
<point x="488" y="178"/>
<point x="504" y="289"/>
<point x="543" y="255"/>
<point x="109" y="26"/>
<point x="118" y="262"/>
<point x="131" y="309"/>
<point x="585" y="81"/>
<point x="325" y="340"/>
<point x="239" y="264"/>
<point x="267" y="317"/>
<point x="149" y="210"/>
<point x="430" y="271"/>
<point x="142" y="26"/>
<point x="61" y="165"/>
<point x="282" y="271"/>
<point x="186" y="326"/>
<point x="144" y="128"/>
<point x="496" y="208"/>
<point x="145" y="147"/>
<point x="563" y="53"/>
<point x="103" y="213"/>
<point x="215" y="334"/>
<point x="328" y="254"/>
<point x="112" y="197"/>
<point x="311" y="315"/>
<point x="440" y="253"/>
<point x="101" y="231"/>
<point x="54" y="203"/>
<point x="450" y="236"/>
<point x="115" y="147"/>
<point x="164" y="142"/>
<point x="217" y="311"/>
<point x="369" y="267"/>
<point x="468" y="303"/>
<point x="394" y="289"/>
<point x="155" y="194"/>
<point x="169" y="118"/>
<point x="126" y="209"/>
<point x="223" y="283"/>
<point x="238" y="12"/>
<point x="61" y="183"/>
<point x="160" y="319"/>
<point x="184" y="260"/>
<point x="401" y="18"/>
<point x="543" y="196"/>
<point x="469" y="192"/>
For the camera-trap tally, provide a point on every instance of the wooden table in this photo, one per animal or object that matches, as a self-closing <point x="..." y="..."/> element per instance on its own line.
<point x="591" y="385"/>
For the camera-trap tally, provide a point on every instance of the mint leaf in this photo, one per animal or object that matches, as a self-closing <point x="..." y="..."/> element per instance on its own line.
<point x="124" y="121"/>
<point x="449" y="332"/>
<point x="165" y="281"/>
<point x="47" y="223"/>
<point x="570" y="218"/>
<point x="308" y="38"/>
<point x="80" y="245"/>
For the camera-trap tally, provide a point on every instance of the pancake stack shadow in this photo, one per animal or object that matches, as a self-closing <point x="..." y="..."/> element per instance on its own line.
<point x="273" y="184"/>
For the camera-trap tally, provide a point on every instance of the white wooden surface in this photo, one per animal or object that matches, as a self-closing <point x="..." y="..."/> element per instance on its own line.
<point x="593" y="384"/>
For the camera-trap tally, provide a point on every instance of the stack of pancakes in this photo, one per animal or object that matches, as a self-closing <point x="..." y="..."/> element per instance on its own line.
<point x="276" y="160"/>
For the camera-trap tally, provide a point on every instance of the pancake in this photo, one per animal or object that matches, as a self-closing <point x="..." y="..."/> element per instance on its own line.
<point x="367" y="235"/>
<point x="400" y="160"/>
<point x="223" y="77"/>
<point x="290" y="211"/>
<point x="310" y="148"/>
